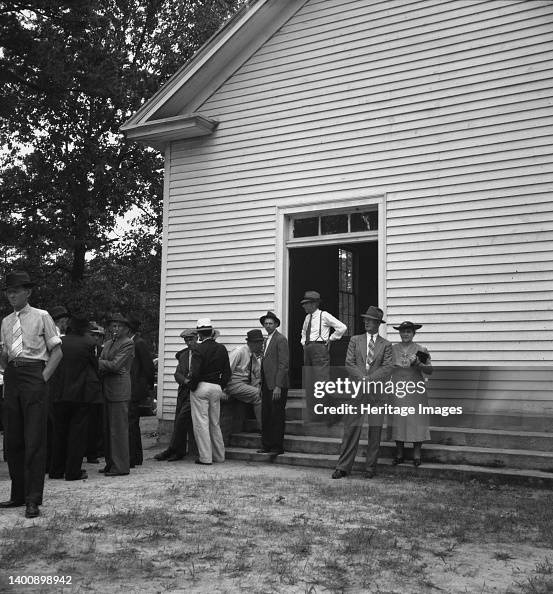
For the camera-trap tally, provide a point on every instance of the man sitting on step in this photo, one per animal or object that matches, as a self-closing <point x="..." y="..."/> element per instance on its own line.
<point x="245" y="365"/>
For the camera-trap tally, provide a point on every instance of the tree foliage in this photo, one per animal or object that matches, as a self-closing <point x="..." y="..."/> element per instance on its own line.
<point x="71" y="72"/>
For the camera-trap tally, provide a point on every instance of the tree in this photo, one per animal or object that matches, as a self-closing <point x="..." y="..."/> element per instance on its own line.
<point x="72" y="72"/>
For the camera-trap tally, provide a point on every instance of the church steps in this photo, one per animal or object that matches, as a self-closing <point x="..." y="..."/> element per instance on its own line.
<point x="438" y="453"/>
<point x="491" y="438"/>
<point x="535" y="478"/>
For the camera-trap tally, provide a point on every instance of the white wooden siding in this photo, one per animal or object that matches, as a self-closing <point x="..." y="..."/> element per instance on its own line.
<point x="444" y="106"/>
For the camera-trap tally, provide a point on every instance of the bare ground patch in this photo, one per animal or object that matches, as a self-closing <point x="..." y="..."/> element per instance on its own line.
<point x="239" y="527"/>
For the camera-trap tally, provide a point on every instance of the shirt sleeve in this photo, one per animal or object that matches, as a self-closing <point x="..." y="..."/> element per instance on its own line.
<point x="235" y="358"/>
<point x="51" y="336"/>
<point x="339" y="327"/>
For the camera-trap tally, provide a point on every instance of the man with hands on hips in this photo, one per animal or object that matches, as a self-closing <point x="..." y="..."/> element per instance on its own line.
<point x="30" y="353"/>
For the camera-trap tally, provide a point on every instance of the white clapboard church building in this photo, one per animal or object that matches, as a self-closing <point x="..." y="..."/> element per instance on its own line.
<point x="387" y="152"/>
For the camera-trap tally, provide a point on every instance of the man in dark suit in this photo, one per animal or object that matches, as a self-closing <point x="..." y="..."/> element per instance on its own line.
<point x="142" y="381"/>
<point x="274" y="386"/>
<point x="369" y="357"/>
<point x="183" y="430"/>
<point x="95" y="441"/>
<point x="209" y="374"/>
<point x="74" y="388"/>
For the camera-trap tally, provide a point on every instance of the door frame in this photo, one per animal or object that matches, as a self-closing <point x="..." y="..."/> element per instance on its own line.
<point x="285" y="214"/>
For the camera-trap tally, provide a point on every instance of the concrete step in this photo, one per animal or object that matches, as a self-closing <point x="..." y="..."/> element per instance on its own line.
<point x="501" y="420"/>
<point x="428" y="469"/>
<point x="462" y="436"/>
<point x="436" y="453"/>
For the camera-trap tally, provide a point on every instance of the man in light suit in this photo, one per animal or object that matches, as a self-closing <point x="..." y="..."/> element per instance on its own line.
<point x="115" y="368"/>
<point x="369" y="358"/>
<point x="142" y="382"/>
<point x="274" y="386"/>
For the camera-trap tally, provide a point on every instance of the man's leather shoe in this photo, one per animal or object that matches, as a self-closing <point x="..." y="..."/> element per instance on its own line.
<point x="338" y="474"/>
<point x="32" y="511"/>
<point x="203" y="463"/>
<point x="115" y="473"/>
<point x="277" y="452"/>
<point x="162" y="455"/>
<point x="81" y="477"/>
<point x="369" y="474"/>
<point x="263" y="451"/>
<point x="55" y="475"/>
<point x="10" y="503"/>
<point x="174" y="458"/>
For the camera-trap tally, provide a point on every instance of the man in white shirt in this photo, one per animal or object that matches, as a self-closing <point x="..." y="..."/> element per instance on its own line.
<point x="31" y="351"/>
<point x="316" y="338"/>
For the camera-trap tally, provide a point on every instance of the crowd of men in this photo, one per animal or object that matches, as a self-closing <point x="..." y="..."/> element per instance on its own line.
<point x="69" y="394"/>
<point x="72" y="391"/>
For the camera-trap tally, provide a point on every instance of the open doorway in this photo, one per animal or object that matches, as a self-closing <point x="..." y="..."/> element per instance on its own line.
<point x="346" y="276"/>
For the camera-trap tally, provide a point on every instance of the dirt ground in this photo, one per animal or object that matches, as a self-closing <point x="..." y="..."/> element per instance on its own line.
<point x="249" y="527"/>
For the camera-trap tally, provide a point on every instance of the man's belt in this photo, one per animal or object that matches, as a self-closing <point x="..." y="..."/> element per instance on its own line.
<point x="21" y="362"/>
<point x="315" y="342"/>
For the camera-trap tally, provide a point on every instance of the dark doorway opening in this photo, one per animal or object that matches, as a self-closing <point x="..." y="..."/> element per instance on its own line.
<point x="346" y="276"/>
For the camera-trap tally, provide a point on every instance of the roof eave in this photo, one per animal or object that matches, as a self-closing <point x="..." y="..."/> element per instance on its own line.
<point x="159" y="133"/>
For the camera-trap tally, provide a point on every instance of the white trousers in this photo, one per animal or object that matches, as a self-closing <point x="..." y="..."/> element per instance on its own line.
<point x="205" y="404"/>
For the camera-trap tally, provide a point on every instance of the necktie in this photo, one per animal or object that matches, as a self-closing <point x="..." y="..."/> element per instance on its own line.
<point x="308" y="331"/>
<point x="264" y="345"/>
<point x="370" y="352"/>
<point x="17" y="337"/>
<point x="250" y="373"/>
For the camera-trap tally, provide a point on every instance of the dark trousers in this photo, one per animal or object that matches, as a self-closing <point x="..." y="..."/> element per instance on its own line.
<point x="353" y="425"/>
<point x="135" y="439"/>
<point x="94" y="446"/>
<point x="49" y="427"/>
<point x="69" y="439"/>
<point x="316" y="368"/>
<point x="183" y="430"/>
<point x="116" y="436"/>
<point x="26" y="400"/>
<point x="273" y="416"/>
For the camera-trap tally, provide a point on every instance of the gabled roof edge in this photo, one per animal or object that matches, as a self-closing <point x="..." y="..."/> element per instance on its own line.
<point x="175" y="82"/>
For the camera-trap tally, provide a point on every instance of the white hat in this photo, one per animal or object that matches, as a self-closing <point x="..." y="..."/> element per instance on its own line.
<point x="204" y="324"/>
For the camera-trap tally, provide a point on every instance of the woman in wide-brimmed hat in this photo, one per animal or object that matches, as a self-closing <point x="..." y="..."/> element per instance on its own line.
<point x="411" y="360"/>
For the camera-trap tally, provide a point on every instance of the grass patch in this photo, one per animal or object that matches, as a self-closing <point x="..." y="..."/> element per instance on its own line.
<point x="304" y="534"/>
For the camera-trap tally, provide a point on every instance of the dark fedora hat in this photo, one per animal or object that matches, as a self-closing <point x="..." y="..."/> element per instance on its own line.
<point x="18" y="278"/>
<point x="270" y="315"/>
<point x="117" y="317"/>
<point x="255" y="336"/>
<point x="58" y="311"/>
<point x="374" y="313"/>
<point x="79" y="321"/>
<point x="407" y="324"/>
<point x="310" y="296"/>
<point x="95" y="328"/>
<point x="134" y="322"/>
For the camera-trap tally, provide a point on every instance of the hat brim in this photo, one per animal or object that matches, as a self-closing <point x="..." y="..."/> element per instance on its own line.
<point x="304" y="301"/>
<point x="126" y="322"/>
<point x="16" y="285"/>
<point x="413" y="326"/>
<point x="263" y="318"/>
<point x="373" y="318"/>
